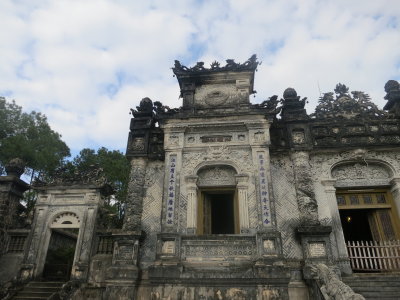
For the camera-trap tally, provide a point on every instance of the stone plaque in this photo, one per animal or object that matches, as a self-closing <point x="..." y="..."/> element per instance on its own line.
<point x="317" y="249"/>
<point x="168" y="247"/>
<point x="216" y="138"/>
<point x="125" y="252"/>
<point x="269" y="246"/>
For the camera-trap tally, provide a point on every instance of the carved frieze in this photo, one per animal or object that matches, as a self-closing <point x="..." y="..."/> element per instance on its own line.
<point x="218" y="153"/>
<point x="216" y="176"/>
<point x="360" y="171"/>
<point x="213" y="95"/>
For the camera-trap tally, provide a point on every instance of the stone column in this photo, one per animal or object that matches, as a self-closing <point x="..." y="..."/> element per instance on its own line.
<point x="330" y="192"/>
<point x="191" y="204"/>
<point x="134" y="203"/>
<point x="242" y="187"/>
<point x="395" y="190"/>
<point x="308" y="206"/>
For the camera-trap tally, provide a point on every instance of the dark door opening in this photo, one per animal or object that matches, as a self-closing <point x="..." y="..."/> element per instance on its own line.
<point x="60" y="254"/>
<point x="355" y="224"/>
<point x="218" y="213"/>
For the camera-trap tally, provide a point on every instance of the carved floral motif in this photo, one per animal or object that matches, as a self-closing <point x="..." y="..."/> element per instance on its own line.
<point x="216" y="176"/>
<point x="359" y="171"/>
<point x="218" y="153"/>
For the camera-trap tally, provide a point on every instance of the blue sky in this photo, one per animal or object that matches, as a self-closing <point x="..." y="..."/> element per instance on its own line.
<point x="85" y="63"/>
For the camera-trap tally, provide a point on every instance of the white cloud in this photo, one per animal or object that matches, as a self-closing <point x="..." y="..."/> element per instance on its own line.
<point x="85" y="63"/>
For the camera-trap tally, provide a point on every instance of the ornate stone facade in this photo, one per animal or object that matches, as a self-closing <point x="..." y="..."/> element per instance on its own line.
<point x="228" y="199"/>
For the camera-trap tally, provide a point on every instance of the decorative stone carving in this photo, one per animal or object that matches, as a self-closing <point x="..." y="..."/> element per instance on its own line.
<point x="216" y="176"/>
<point x="269" y="245"/>
<point x="360" y="171"/>
<point x="15" y="167"/>
<point x="168" y="247"/>
<point x="259" y="137"/>
<point x="134" y="206"/>
<point x="62" y="176"/>
<point x="66" y="220"/>
<point x="346" y="106"/>
<point x="231" y="65"/>
<point x="219" y="248"/>
<point x="331" y="286"/>
<point x="305" y="192"/>
<point x="138" y="144"/>
<point x="173" y="140"/>
<point x="298" y="137"/>
<point x="271" y="294"/>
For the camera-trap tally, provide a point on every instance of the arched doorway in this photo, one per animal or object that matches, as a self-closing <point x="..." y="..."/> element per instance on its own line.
<point x="62" y="245"/>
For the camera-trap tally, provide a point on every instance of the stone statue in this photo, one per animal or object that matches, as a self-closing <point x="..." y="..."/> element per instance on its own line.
<point x="332" y="288"/>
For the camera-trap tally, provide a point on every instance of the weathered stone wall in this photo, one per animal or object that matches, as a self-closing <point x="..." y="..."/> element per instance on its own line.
<point x="151" y="215"/>
<point x="10" y="265"/>
<point x="287" y="211"/>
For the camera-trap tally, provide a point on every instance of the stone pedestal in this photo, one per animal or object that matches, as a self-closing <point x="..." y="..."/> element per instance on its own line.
<point x="123" y="274"/>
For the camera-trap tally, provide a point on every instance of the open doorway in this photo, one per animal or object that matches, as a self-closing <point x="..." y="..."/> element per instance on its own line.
<point x="60" y="254"/>
<point x="355" y="224"/>
<point x="217" y="212"/>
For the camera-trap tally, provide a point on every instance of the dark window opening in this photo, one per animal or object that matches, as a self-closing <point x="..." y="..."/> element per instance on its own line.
<point x="219" y="213"/>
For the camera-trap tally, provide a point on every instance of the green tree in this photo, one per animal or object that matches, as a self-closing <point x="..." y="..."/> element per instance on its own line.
<point x="29" y="137"/>
<point x="116" y="170"/>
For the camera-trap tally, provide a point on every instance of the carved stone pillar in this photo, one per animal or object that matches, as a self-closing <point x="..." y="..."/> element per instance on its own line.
<point x="134" y="205"/>
<point x="395" y="190"/>
<point x="191" y="204"/>
<point x="308" y="206"/>
<point x="330" y="192"/>
<point x="242" y="187"/>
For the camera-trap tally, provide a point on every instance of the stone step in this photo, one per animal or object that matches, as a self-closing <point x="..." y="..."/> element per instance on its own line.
<point x="57" y="284"/>
<point x="38" y="290"/>
<point x="41" y="289"/>
<point x="372" y="286"/>
<point x="29" y="298"/>
<point x="24" y="293"/>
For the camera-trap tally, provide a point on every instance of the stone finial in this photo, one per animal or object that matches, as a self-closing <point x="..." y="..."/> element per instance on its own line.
<point x="392" y="85"/>
<point x="146" y="105"/>
<point x="15" y="167"/>
<point x="392" y="88"/>
<point x="289" y="93"/>
<point x="292" y="106"/>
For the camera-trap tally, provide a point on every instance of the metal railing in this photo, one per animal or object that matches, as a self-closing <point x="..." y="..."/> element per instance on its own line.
<point x="383" y="256"/>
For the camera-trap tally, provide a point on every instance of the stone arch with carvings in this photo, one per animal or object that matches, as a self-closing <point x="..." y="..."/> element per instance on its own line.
<point x="65" y="220"/>
<point x="216" y="175"/>
<point x="362" y="173"/>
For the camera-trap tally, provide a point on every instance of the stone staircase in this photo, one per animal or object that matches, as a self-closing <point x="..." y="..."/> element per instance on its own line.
<point x="38" y="290"/>
<point x="374" y="286"/>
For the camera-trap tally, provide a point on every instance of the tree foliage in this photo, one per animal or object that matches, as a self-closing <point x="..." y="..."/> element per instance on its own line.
<point x="28" y="136"/>
<point x="116" y="170"/>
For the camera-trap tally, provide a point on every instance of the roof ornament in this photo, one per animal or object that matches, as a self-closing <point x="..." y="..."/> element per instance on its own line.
<point x="346" y="105"/>
<point x="250" y="65"/>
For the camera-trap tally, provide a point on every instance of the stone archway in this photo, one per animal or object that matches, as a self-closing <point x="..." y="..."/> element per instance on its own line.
<point x="60" y="255"/>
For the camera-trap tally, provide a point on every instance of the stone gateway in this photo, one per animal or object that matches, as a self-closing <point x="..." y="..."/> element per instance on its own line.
<point x="226" y="200"/>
